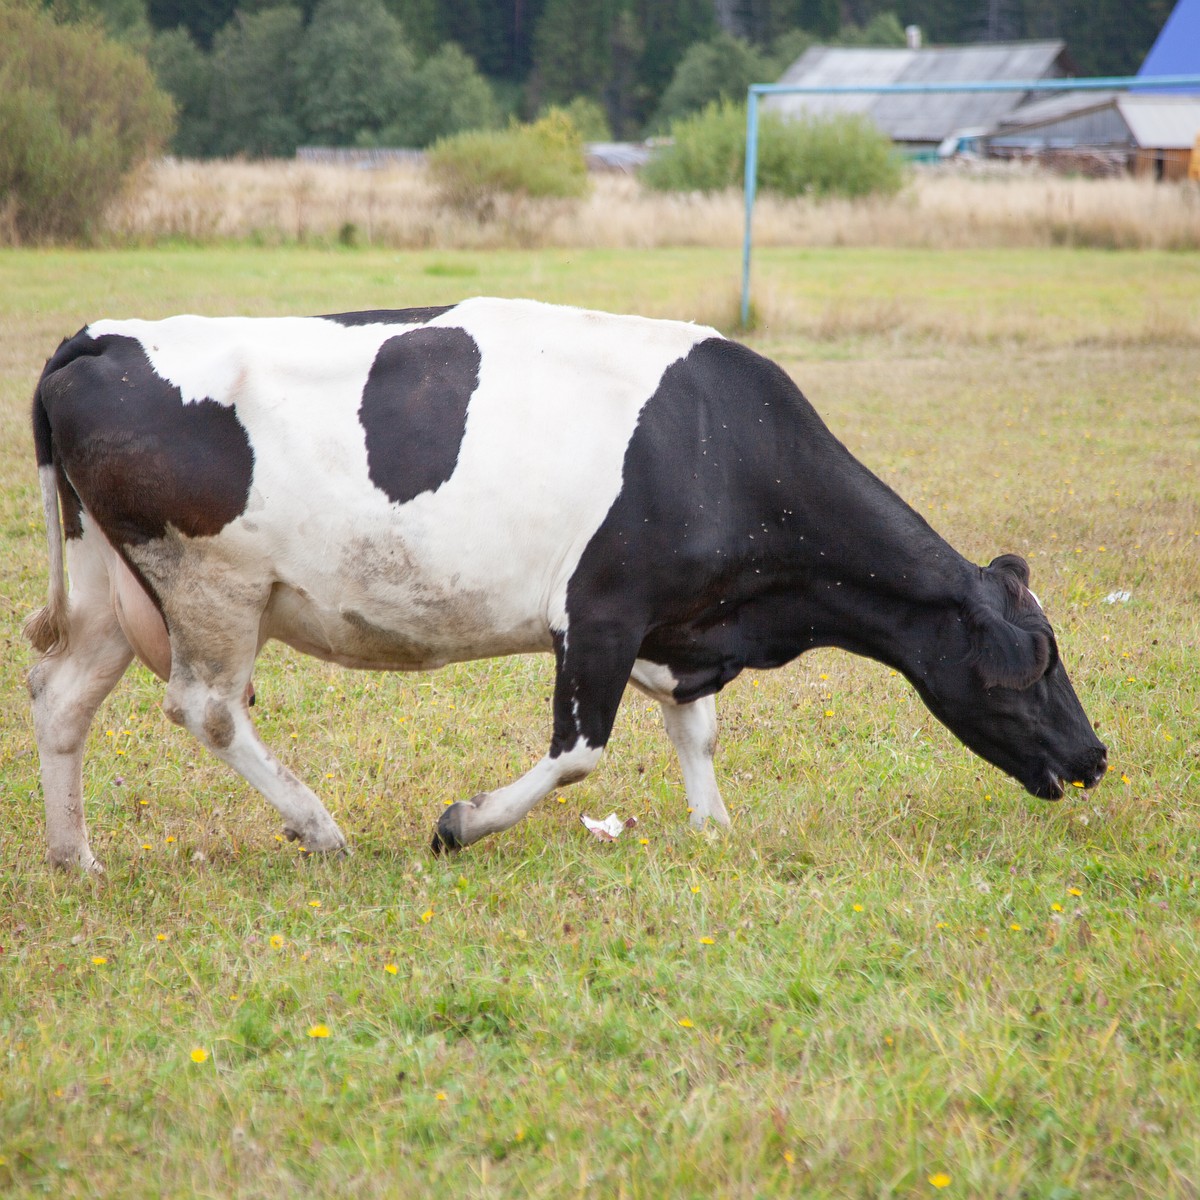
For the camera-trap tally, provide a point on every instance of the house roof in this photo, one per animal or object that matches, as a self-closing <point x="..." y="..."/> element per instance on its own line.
<point x="1176" y="50"/>
<point x="1150" y="121"/>
<point x="919" y="118"/>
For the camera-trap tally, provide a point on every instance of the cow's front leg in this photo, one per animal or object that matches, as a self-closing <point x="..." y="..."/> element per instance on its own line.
<point x="593" y="665"/>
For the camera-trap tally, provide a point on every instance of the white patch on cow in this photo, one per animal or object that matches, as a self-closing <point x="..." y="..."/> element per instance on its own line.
<point x="478" y="567"/>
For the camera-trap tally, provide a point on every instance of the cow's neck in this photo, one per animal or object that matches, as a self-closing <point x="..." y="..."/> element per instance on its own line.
<point x="878" y="574"/>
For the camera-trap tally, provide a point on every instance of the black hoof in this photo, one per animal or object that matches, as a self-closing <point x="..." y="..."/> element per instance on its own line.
<point x="447" y="836"/>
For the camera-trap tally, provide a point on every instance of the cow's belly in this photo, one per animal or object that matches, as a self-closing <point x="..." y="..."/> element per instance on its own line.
<point x="395" y="631"/>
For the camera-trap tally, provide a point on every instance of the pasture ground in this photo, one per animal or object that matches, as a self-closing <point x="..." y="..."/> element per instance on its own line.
<point x="899" y="975"/>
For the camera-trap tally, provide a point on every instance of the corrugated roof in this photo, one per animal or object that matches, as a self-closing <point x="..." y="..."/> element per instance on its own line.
<point x="1176" y="50"/>
<point x="919" y="118"/>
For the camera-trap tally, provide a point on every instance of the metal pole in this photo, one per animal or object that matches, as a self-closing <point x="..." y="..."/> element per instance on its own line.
<point x="751" y="186"/>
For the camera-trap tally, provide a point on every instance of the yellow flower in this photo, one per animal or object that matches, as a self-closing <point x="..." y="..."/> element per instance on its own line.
<point x="685" y="1023"/>
<point x="314" y="904"/>
<point x="99" y="960"/>
<point x="1056" y="907"/>
<point x="319" y="1031"/>
<point x="199" y="1055"/>
<point x="707" y="941"/>
<point x="858" y="908"/>
<point x="789" y="1157"/>
<point x="696" y="889"/>
<point x="440" y="1096"/>
<point x="644" y="841"/>
<point x="1015" y="927"/>
<point x="147" y="846"/>
<point x="276" y="941"/>
<point x="942" y="925"/>
<point x="1074" y="892"/>
<point x="170" y="837"/>
<point x="391" y="968"/>
<point x="161" y="937"/>
<point x="940" y="1180"/>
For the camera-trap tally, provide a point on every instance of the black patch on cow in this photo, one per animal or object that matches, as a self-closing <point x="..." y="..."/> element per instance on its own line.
<point x="738" y="513"/>
<point x="389" y="316"/>
<point x="134" y="453"/>
<point x="414" y="409"/>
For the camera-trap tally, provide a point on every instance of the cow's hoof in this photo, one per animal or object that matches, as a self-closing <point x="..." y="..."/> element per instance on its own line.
<point x="333" y="847"/>
<point x="75" y="860"/>
<point x="451" y="833"/>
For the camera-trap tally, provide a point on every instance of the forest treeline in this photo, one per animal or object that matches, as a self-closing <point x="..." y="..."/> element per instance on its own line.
<point x="259" y="77"/>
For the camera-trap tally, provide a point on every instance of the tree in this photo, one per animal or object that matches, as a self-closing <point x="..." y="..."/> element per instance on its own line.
<point x="201" y="18"/>
<point x="185" y="72"/>
<point x="353" y="70"/>
<point x="253" y="100"/>
<point x="720" y="69"/>
<point x="447" y="95"/>
<point x="572" y="50"/>
<point x="78" y="113"/>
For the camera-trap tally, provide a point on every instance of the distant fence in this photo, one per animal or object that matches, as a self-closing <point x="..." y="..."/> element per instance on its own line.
<point x="757" y="90"/>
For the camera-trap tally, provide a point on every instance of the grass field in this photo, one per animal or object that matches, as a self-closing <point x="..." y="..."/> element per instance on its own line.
<point x="898" y="975"/>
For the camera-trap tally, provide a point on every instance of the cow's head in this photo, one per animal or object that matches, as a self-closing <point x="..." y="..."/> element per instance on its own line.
<point x="998" y="684"/>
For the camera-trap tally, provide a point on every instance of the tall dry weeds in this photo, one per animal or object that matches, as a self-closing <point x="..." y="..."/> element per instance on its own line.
<point x="396" y="207"/>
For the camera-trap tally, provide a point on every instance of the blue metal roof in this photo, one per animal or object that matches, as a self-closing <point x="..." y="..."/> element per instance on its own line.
<point x="1176" y="50"/>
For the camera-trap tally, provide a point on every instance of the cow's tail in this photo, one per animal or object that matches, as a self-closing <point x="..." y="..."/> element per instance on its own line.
<point x="47" y="628"/>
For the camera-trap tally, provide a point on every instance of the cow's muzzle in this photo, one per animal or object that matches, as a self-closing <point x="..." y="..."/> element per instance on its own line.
<point x="1085" y="774"/>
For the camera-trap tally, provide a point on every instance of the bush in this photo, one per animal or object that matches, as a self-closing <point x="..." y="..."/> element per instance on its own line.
<point x="588" y="117"/>
<point x="842" y="155"/>
<point x="472" y="170"/>
<point x="78" y="113"/>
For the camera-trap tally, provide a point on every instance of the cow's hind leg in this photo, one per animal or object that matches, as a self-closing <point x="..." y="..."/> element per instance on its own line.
<point x="692" y="728"/>
<point x="208" y="695"/>
<point x="67" y="686"/>
<point x="593" y="666"/>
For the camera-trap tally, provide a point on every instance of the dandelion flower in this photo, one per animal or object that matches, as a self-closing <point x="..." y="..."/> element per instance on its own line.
<point x="1015" y="927"/>
<point x="199" y="1055"/>
<point x="707" y="941"/>
<point x="391" y="968"/>
<point x="696" y="889"/>
<point x="440" y="1096"/>
<point x="1056" y="907"/>
<point x="685" y="1022"/>
<point x="940" y="1180"/>
<point x="276" y="941"/>
<point x="314" y="904"/>
<point x="1074" y="892"/>
<point x="427" y="916"/>
<point x="99" y="960"/>
<point x="170" y="837"/>
<point x="858" y="908"/>
<point x="319" y="1031"/>
<point x="644" y="841"/>
<point x="160" y="937"/>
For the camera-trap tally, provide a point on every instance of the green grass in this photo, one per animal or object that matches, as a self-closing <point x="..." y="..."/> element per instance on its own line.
<point x="833" y="1000"/>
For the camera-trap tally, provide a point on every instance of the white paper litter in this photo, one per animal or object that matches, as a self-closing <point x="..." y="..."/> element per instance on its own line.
<point x="610" y="828"/>
<point x="1118" y="598"/>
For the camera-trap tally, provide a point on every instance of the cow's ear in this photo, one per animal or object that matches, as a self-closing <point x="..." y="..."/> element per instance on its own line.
<point x="1007" y="654"/>
<point x="1013" y="564"/>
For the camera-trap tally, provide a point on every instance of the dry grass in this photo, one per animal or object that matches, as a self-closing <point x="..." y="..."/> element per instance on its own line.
<point x="285" y="202"/>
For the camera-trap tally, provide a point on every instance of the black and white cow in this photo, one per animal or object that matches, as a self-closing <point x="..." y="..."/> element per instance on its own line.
<point x="398" y="490"/>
